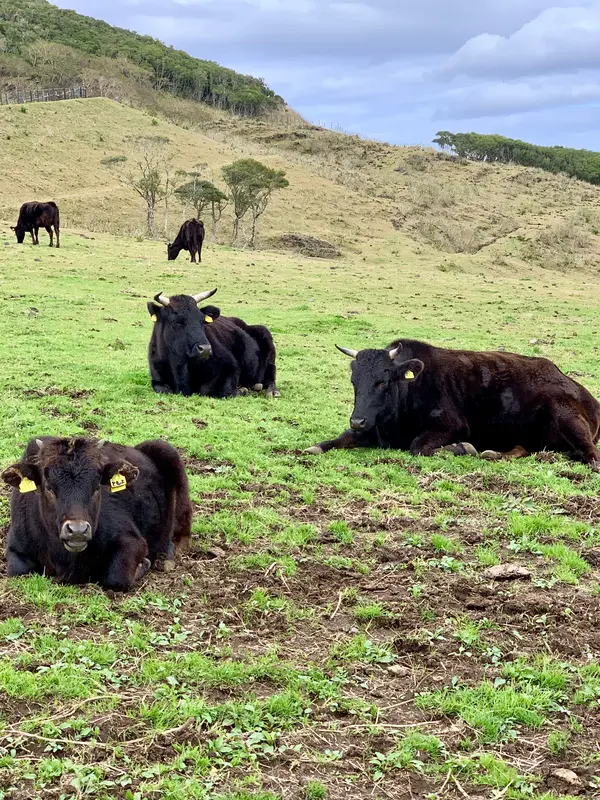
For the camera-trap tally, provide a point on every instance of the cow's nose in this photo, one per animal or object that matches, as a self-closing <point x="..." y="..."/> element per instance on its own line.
<point x="78" y="529"/>
<point x="357" y="423"/>
<point x="204" y="350"/>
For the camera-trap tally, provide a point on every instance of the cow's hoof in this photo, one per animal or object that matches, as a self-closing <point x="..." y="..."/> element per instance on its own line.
<point x="315" y="450"/>
<point x="463" y="449"/>
<point x="258" y="387"/>
<point x="273" y="393"/>
<point x="162" y="389"/>
<point x="491" y="455"/>
<point x="142" y="569"/>
<point x="242" y="391"/>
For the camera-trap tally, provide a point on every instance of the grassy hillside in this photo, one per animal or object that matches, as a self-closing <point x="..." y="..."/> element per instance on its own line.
<point x="332" y="633"/>
<point x="43" y="44"/>
<point x="385" y="203"/>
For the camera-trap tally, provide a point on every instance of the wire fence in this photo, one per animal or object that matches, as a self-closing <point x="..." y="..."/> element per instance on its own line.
<point x="43" y="95"/>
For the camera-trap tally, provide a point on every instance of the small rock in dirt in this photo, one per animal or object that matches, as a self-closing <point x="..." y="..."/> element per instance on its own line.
<point x="563" y="780"/>
<point x="354" y="630"/>
<point x="216" y="552"/>
<point x="505" y="572"/>
<point x="398" y="671"/>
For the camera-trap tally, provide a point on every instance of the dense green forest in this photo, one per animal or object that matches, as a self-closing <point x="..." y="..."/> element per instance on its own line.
<point x="26" y="25"/>
<point x="582" y="164"/>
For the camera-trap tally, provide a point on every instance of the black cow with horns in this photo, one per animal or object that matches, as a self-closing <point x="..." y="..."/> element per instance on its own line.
<point x="197" y="351"/>
<point x="90" y="511"/>
<point x="413" y="396"/>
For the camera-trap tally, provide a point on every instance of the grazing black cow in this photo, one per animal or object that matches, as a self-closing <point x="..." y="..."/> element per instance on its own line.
<point x="197" y="351"/>
<point x="190" y="238"/>
<point x="413" y="396"/>
<point x="87" y="511"/>
<point x="34" y="216"/>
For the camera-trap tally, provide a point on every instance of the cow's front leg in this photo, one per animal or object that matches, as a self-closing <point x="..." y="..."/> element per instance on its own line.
<point x="181" y="379"/>
<point x="51" y="235"/>
<point x="128" y="564"/>
<point x="345" y="441"/>
<point x="20" y="563"/>
<point x="32" y="236"/>
<point x="428" y="442"/>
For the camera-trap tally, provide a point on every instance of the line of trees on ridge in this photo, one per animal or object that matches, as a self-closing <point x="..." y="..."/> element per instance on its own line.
<point x="581" y="164"/>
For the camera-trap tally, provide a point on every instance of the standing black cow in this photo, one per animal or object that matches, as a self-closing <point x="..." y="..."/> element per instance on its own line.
<point x="190" y="238"/>
<point x="33" y="216"/>
<point x="88" y="511"/>
<point x="413" y="396"/>
<point x="197" y="351"/>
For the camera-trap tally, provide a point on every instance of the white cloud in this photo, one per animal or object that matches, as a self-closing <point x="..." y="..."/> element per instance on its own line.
<point x="558" y="39"/>
<point x="500" y="99"/>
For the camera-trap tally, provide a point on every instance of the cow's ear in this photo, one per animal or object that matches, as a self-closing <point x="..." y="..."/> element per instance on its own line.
<point x="408" y="370"/>
<point x="22" y="476"/>
<point x="211" y="313"/>
<point x="154" y="311"/>
<point x="118" y="475"/>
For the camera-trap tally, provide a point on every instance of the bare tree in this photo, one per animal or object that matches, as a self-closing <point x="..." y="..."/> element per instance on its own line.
<point x="149" y="172"/>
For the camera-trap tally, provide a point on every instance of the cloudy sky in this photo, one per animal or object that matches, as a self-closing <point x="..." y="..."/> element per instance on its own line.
<point x="400" y="70"/>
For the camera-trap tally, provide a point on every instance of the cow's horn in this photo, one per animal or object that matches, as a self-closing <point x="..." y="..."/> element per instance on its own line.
<point x="162" y="299"/>
<point x="39" y="443"/>
<point x="198" y="298"/>
<point x="101" y="443"/>
<point x="351" y="353"/>
<point x="395" y="351"/>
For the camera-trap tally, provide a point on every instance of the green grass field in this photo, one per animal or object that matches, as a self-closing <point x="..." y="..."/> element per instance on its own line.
<point x="332" y="633"/>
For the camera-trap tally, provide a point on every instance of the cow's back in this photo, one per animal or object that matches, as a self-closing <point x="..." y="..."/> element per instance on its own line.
<point x="502" y="396"/>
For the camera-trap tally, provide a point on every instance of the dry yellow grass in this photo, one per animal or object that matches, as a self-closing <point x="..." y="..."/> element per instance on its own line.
<point x="372" y="200"/>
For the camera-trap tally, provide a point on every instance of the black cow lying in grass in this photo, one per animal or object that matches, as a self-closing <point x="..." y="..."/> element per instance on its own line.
<point x="197" y="351"/>
<point x="33" y="216"/>
<point x="413" y="396"/>
<point x="190" y="238"/>
<point x="86" y="511"/>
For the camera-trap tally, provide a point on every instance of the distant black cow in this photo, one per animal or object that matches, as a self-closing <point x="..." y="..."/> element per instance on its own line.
<point x="413" y="396"/>
<point x="190" y="238"/>
<point x="87" y="511"/>
<point x="197" y="351"/>
<point x="34" y="216"/>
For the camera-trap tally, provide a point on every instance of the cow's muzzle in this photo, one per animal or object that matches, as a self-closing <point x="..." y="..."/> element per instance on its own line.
<point x="75" y="535"/>
<point x="203" y="351"/>
<point x="358" y="423"/>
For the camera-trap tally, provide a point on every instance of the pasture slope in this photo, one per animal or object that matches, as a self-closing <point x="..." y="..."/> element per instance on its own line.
<point x="332" y="633"/>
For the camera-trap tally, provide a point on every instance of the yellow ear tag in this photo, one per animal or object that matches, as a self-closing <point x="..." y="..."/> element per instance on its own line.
<point x="409" y="375"/>
<point x="207" y="318"/>
<point x="27" y="485"/>
<point x="118" y="482"/>
<point x="154" y="318"/>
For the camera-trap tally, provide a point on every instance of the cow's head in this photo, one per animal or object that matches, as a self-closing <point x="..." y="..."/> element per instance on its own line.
<point x="19" y="233"/>
<point x="173" y="251"/>
<point x="68" y="476"/>
<point x="381" y="380"/>
<point x="182" y="323"/>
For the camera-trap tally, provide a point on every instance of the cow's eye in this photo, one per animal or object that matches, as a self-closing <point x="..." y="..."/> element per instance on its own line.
<point x="51" y="493"/>
<point x="381" y="384"/>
